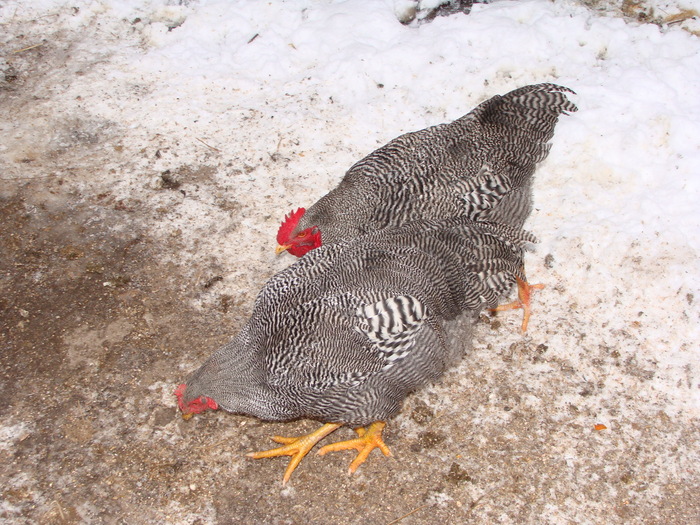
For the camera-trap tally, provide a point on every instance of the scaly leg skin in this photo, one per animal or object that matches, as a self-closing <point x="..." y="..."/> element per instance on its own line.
<point x="523" y="301"/>
<point x="369" y="439"/>
<point x="296" y="447"/>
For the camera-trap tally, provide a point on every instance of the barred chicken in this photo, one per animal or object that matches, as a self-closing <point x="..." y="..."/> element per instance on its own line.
<point x="479" y="166"/>
<point x="347" y="332"/>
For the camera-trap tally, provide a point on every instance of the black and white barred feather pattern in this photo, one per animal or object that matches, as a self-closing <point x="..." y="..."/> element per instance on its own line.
<point x="391" y="325"/>
<point x="349" y="330"/>
<point x="479" y="166"/>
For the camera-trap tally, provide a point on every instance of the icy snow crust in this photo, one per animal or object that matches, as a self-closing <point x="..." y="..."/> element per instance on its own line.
<point x="202" y="124"/>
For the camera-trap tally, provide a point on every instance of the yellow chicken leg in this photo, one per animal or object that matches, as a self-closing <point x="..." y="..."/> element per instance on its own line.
<point x="369" y="439"/>
<point x="296" y="447"/>
<point x="523" y="301"/>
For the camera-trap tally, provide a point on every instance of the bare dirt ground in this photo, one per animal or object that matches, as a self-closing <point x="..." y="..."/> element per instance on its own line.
<point x="107" y="302"/>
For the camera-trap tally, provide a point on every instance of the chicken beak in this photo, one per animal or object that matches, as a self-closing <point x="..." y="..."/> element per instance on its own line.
<point x="282" y="247"/>
<point x="187" y="416"/>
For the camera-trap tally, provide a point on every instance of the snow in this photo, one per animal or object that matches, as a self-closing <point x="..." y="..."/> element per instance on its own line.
<point x="277" y="99"/>
<point x="623" y="170"/>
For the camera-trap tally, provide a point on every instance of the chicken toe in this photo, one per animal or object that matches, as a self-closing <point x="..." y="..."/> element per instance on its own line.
<point x="368" y="439"/>
<point x="296" y="447"/>
<point x="523" y="301"/>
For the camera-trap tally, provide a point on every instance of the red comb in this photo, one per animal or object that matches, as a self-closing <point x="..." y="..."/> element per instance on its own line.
<point x="290" y="222"/>
<point x="196" y="405"/>
<point x="179" y="392"/>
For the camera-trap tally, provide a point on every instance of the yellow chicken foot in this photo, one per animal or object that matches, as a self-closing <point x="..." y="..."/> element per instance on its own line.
<point x="296" y="447"/>
<point x="369" y="439"/>
<point x="523" y="301"/>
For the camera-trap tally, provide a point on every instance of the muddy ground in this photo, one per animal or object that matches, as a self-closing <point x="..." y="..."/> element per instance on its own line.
<point x="107" y="301"/>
